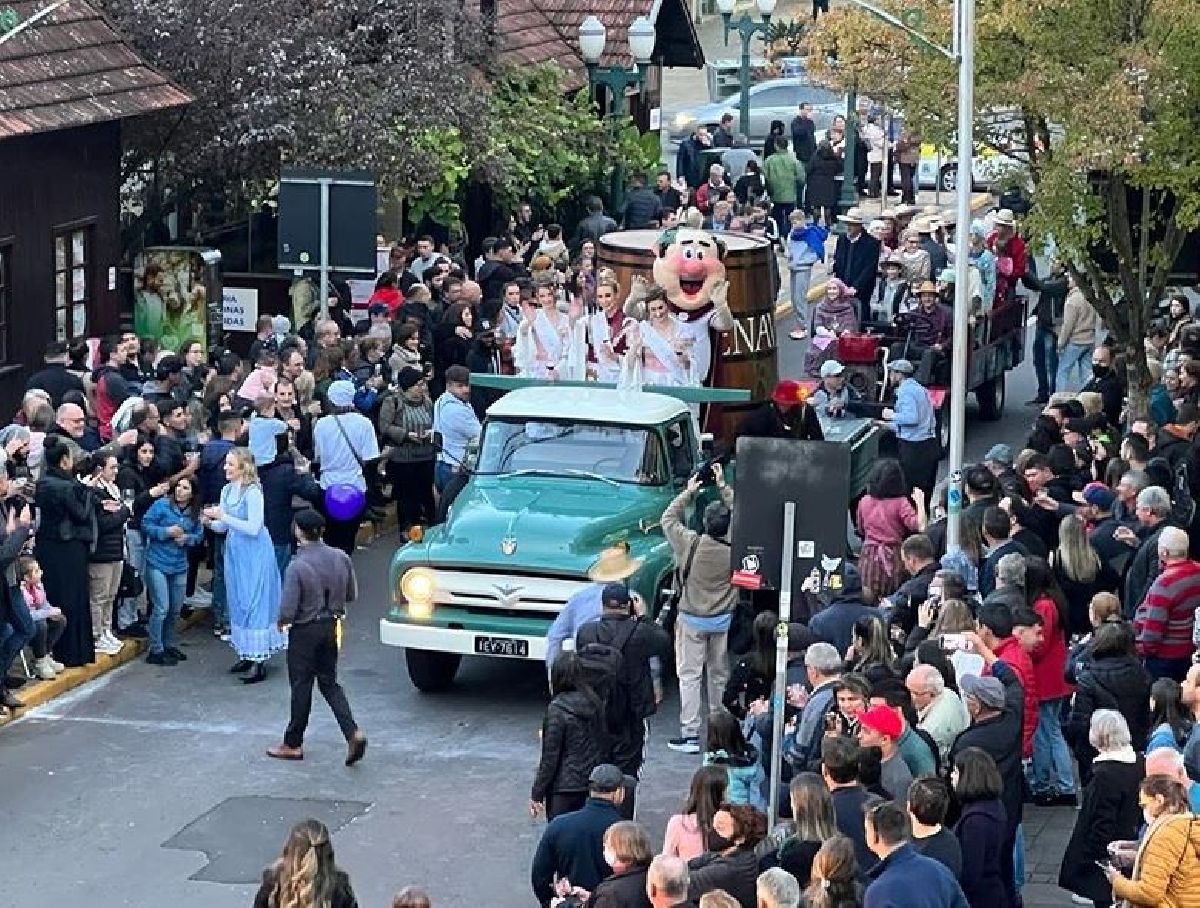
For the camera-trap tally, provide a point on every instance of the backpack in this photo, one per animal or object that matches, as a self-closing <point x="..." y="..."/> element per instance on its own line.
<point x="612" y="676"/>
<point x="1183" y="506"/>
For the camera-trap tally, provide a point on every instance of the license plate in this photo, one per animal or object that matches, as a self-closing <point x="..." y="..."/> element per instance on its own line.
<point x="502" y="646"/>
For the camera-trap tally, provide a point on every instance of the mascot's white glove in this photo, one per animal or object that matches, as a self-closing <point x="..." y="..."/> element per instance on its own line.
<point x="722" y="318"/>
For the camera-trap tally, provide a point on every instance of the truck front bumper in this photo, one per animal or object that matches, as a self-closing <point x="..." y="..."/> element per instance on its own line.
<point x="453" y="640"/>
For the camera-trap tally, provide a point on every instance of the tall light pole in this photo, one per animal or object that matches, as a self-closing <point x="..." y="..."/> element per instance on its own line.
<point x="849" y="196"/>
<point x="592" y="38"/>
<point x="746" y="28"/>
<point x="962" y="52"/>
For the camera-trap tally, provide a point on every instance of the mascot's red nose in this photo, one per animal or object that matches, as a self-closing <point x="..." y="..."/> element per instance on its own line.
<point x="691" y="277"/>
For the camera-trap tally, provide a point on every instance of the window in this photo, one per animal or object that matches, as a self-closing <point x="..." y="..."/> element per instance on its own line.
<point x="72" y="282"/>
<point x="6" y="258"/>
<point x="778" y="96"/>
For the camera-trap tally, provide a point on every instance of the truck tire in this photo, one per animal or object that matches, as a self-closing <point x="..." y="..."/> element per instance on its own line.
<point x="431" y="672"/>
<point x="942" y="426"/>
<point x="990" y="396"/>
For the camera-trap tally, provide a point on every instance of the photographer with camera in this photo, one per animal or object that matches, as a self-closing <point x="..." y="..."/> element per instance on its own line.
<point x="706" y="602"/>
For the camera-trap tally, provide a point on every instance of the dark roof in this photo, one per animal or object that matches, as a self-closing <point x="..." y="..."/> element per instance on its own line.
<point x="70" y="69"/>
<point x="540" y="31"/>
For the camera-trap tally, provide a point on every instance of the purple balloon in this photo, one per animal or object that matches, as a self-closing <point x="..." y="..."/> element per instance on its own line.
<point x="344" y="502"/>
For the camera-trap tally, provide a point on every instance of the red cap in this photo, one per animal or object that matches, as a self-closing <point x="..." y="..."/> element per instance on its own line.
<point x="882" y="719"/>
<point x="789" y="392"/>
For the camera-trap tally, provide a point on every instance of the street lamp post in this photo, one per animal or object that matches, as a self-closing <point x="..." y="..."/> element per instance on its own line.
<point x="746" y="28"/>
<point x="617" y="79"/>
<point x="962" y="52"/>
<point x="849" y="196"/>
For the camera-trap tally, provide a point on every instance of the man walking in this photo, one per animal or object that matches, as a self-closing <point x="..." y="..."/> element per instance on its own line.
<point x="705" y="606"/>
<point x="317" y="584"/>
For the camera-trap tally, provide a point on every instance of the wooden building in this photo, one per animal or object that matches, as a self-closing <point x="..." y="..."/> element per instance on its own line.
<point x="66" y="82"/>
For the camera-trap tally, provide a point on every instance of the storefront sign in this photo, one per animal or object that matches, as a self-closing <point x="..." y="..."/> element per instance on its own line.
<point x="239" y="308"/>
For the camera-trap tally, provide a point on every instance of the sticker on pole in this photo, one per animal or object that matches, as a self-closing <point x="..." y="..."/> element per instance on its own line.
<point x="806" y="548"/>
<point x="749" y="577"/>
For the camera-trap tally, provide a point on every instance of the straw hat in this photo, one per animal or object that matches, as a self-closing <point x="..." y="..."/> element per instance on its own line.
<point x="852" y="216"/>
<point x="927" y="287"/>
<point x="613" y="564"/>
<point x="888" y="214"/>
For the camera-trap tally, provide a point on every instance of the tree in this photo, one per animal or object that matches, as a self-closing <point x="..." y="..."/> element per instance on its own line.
<point x="537" y="145"/>
<point x="1099" y="102"/>
<point x="308" y="83"/>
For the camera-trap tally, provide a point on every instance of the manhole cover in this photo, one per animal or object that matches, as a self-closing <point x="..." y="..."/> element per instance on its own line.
<point x="242" y="836"/>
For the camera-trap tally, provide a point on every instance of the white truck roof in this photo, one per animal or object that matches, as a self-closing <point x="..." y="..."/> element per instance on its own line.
<point x="598" y="405"/>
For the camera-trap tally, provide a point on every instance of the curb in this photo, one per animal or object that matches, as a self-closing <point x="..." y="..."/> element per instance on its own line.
<point x="979" y="201"/>
<point x="38" y="693"/>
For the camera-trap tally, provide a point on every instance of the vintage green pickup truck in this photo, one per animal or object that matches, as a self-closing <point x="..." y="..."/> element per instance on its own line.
<point x="561" y="473"/>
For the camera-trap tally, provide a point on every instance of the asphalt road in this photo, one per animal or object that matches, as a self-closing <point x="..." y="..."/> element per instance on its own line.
<point x="151" y="783"/>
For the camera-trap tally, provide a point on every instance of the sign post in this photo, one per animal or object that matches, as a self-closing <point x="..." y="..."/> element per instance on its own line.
<point x="779" y="697"/>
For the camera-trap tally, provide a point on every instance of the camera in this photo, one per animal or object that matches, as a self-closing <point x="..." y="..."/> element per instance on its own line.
<point x="706" y="474"/>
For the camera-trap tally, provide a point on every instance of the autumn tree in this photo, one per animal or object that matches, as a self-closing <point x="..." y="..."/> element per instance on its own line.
<point x="1098" y="101"/>
<point x="299" y="83"/>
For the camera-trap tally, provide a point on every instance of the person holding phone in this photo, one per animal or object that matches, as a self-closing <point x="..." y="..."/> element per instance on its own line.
<point x="406" y="422"/>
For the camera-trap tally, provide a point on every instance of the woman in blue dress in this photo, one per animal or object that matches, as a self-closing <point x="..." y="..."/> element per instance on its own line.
<point x="251" y="574"/>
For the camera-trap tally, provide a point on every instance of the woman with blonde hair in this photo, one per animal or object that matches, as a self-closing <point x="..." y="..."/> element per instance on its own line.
<point x="814" y="822"/>
<point x="1080" y="572"/>
<point x="628" y="852"/>
<point x="306" y="874"/>
<point x="252" y="581"/>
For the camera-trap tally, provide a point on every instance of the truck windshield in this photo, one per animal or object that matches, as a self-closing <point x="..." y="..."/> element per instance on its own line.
<point x="615" y="453"/>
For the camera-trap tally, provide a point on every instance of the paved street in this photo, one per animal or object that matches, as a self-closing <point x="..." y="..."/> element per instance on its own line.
<point x="152" y="783"/>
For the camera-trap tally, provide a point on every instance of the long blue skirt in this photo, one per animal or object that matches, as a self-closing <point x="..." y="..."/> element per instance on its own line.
<point x="253" y="588"/>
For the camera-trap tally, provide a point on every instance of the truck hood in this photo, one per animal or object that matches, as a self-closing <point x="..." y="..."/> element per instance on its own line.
<point x="548" y="523"/>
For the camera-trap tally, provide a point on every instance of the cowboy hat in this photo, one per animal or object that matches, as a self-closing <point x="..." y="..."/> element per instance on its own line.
<point x="903" y="211"/>
<point x="1005" y="218"/>
<point x="888" y="214"/>
<point x="852" y="216"/>
<point x="927" y="287"/>
<point x="613" y="564"/>
<point x="922" y="225"/>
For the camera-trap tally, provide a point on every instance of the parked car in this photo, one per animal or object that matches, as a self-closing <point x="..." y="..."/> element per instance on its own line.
<point x="774" y="99"/>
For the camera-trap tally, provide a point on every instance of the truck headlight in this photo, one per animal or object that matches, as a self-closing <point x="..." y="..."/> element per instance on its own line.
<point x="418" y="586"/>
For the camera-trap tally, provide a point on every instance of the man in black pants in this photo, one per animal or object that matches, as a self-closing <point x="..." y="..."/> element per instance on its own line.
<point x="318" y="583"/>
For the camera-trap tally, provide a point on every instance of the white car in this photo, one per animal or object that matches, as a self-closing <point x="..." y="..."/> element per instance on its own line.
<point x="774" y="99"/>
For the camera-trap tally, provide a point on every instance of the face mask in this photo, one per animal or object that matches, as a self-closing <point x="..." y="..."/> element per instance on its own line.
<point x="610" y="857"/>
<point x="1099" y="371"/>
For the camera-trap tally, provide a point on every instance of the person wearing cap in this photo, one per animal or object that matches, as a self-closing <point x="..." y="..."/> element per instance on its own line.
<point x="622" y="626"/>
<point x="570" y="853"/>
<point x="317" y="584"/>
<point x="788" y="414"/>
<point x="892" y="294"/>
<point x="912" y="419"/>
<point x="1011" y="257"/>
<point x="613" y="566"/>
<point x="1099" y="501"/>
<point x="455" y="422"/>
<point x="805" y="247"/>
<point x="856" y="259"/>
<point x="995" y="704"/>
<point x="835" y="395"/>
<point x="880" y="727"/>
<point x="930" y="327"/>
<point x="344" y="443"/>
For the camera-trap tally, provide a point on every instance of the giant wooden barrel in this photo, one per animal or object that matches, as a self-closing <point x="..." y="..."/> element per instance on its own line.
<point x="742" y="358"/>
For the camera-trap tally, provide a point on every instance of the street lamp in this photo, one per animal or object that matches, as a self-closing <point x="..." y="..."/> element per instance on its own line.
<point x="592" y="38"/>
<point x="746" y="29"/>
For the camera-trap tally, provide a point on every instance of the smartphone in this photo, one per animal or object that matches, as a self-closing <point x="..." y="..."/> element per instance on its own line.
<point x="956" y="642"/>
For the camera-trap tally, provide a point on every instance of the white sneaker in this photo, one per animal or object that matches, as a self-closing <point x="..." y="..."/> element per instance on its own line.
<point x="202" y="598"/>
<point x="113" y="640"/>
<point x="103" y="646"/>
<point x="44" y="669"/>
<point x="58" y="666"/>
<point x="1080" y="900"/>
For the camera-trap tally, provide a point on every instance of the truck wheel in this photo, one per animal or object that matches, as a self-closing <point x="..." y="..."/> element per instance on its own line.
<point x="942" y="425"/>
<point x="990" y="396"/>
<point x="431" y="672"/>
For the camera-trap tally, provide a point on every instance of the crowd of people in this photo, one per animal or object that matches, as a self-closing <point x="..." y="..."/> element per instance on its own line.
<point x="1047" y="658"/>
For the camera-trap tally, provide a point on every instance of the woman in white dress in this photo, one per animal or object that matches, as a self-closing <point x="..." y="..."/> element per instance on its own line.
<point x="550" y="344"/>
<point x="660" y="349"/>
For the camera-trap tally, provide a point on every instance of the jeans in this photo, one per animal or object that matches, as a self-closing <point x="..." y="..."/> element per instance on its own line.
<point x="697" y="653"/>
<point x="442" y="471"/>
<point x="1045" y="361"/>
<point x="16" y="631"/>
<point x="1076" y="357"/>
<point x="1018" y="859"/>
<point x="220" y="600"/>
<point x="801" y="280"/>
<point x="166" y="601"/>
<point x="1052" y="772"/>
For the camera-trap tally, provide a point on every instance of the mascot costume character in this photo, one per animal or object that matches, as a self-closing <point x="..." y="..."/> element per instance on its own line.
<point x="688" y="266"/>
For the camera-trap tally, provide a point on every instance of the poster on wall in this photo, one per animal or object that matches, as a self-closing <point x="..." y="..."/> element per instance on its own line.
<point x="171" y="295"/>
<point x="239" y="308"/>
